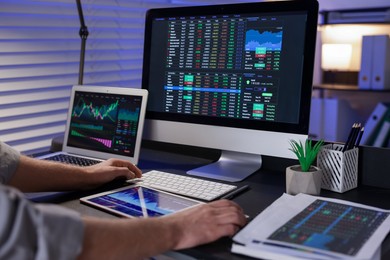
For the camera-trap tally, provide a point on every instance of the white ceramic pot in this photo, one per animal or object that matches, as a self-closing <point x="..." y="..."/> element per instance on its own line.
<point x="303" y="182"/>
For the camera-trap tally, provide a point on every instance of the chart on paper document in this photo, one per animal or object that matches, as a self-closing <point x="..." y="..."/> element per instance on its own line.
<point x="331" y="226"/>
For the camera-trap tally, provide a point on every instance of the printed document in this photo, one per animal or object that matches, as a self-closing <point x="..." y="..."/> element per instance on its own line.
<point x="310" y="227"/>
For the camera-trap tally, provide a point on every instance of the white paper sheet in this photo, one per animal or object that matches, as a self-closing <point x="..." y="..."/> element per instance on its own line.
<point x="253" y="239"/>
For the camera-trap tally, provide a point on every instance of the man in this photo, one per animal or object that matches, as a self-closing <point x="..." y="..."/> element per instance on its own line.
<point x="34" y="231"/>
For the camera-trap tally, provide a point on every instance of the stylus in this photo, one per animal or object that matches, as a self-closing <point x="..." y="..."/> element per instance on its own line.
<point x="235" y="192"/>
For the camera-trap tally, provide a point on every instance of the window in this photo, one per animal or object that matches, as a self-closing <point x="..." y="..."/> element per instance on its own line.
<point x="40" y="53"/>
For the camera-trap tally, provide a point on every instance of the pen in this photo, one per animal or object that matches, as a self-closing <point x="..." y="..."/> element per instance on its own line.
<point x="349" y="137"/>
<point x="354" y="136"/>
<point x="235" y="192"/>
<point x="359" y="137"/>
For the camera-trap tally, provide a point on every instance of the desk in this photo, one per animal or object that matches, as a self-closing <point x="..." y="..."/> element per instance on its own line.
<point x="266" y="186"/>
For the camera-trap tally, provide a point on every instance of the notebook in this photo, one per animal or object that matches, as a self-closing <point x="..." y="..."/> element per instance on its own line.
<point x="104" y="122"/>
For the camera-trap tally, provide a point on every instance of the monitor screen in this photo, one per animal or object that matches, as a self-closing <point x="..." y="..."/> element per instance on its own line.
<point x="231" y="77"/>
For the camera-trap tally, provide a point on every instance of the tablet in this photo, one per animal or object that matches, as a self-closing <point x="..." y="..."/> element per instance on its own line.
<point x="139" y="201"/>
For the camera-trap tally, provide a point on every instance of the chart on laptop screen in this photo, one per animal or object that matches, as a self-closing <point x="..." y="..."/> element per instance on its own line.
<point x="105" y="122"/>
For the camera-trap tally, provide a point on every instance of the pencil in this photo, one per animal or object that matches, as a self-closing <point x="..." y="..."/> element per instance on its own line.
<point x="235" y="192"/>
<point x="349" y="137"/>
<point x="359" y="137"/>
<point x="354" y="136"/>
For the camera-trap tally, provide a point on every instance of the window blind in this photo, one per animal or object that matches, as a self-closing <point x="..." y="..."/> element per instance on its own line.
<point x="40" y="52"/>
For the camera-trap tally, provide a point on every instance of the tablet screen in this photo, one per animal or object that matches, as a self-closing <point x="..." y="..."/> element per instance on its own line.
<point x="138" y="201"/>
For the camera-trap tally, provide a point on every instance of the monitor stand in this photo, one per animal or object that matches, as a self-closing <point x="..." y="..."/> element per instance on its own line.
<point x="231" y="167"/>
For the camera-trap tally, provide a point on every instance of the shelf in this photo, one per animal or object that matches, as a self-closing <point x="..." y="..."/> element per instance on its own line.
<point x="346" y="88"/>
<point x="368" y="15"/>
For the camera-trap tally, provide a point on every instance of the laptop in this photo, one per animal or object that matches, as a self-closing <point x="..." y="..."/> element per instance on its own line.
<point x="103" y="122"/>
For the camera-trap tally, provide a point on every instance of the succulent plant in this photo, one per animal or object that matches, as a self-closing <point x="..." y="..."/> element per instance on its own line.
<point x="306" y="153"/>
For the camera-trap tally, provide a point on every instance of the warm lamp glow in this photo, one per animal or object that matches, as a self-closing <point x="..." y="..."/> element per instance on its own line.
<point x="336" y="56"/>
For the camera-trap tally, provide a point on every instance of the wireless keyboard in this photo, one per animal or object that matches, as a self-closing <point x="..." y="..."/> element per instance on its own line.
<point x="185" y="185"/>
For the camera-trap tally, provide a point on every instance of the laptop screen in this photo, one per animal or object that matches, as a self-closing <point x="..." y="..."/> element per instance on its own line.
<point x="104" y="122"/>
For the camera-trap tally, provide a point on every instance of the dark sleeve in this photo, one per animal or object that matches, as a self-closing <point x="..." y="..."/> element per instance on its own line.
<point x="33" y="231"/>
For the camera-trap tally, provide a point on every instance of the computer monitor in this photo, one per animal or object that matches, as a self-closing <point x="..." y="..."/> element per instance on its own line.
<point x="232" y="77"/>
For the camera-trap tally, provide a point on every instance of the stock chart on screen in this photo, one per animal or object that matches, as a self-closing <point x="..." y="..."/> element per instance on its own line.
<point x="105" y="121"/>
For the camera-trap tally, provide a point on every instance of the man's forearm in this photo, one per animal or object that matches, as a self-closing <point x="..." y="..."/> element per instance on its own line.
<point x="38" y="175"/>
<point x="127" y="239"/>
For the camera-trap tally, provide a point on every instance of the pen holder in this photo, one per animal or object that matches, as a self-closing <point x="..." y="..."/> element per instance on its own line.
<point x="339" y="169"/>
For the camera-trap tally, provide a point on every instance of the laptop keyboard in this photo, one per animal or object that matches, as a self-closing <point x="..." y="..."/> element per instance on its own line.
<point x="185" y="185"/>
<point x="69" y="159"/>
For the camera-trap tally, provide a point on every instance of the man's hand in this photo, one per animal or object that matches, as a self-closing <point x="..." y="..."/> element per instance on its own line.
<point x="109" y="170"/>
<point x="206" y="223"/>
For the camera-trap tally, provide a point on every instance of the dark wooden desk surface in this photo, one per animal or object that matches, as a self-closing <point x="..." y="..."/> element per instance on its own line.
<point x="266" y="186"/>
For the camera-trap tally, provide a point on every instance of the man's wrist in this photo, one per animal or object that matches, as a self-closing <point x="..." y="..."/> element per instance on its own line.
<point x="172" y="230"/>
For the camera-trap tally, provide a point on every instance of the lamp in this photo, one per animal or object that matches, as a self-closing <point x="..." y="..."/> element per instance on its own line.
<point x="83" y="35"/>
<point x="336" y="56"/>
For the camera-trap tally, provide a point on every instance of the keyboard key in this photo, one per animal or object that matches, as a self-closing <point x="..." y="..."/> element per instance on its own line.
<point x="69" y="159"/>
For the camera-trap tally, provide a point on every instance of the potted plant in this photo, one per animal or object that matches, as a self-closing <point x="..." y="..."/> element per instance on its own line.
<point x="305" y="177"/>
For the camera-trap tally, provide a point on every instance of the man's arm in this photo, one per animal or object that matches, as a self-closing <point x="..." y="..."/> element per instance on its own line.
<point x="39" y="175"/>
<point x="141" y="238"/>
<point x="44" y="231"/>
<point x="101" y="239"/>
